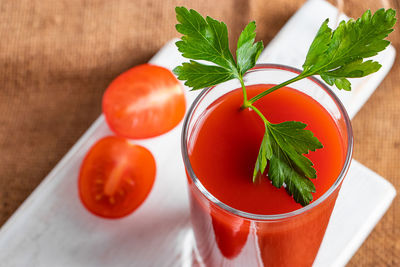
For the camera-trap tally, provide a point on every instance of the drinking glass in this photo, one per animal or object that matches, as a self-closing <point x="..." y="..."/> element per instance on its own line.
<point x="226" y="236"/>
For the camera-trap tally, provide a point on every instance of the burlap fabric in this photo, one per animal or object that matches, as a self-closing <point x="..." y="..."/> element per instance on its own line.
<point x="57" y="57"/>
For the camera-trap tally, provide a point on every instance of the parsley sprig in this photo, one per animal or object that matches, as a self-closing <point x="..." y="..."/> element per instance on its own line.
<point x="333" y="55"/>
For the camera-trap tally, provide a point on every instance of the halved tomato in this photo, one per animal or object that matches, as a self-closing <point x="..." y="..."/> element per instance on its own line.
<point x="143" y="102"/>
<point x="116" y="177"/>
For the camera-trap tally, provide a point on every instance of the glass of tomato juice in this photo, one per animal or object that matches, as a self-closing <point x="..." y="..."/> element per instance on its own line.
<point x="240" y="223"/>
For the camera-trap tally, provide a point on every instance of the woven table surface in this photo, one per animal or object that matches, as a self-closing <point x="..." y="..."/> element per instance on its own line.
<point x="57" y="58"/>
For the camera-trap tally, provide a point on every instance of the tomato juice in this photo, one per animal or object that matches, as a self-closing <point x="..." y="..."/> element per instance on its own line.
<point x="225" y="148"/>
<point x="232" y="227"/>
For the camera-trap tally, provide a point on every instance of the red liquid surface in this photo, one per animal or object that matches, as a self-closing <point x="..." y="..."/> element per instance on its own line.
<point x="224" y="149"/>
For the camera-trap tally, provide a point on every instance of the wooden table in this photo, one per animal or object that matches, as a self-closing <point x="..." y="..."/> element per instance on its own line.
<point x="57" y="57"/>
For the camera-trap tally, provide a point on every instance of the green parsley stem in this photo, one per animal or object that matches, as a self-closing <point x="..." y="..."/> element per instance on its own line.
<point x="256" y="110"/>
<point x="245" y="101"/>
<point x="276" y="87"/>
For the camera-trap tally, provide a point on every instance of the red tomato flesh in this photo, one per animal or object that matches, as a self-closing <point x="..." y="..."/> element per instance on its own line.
<point x="143" y="102"/>
<point x="116" y="177"/>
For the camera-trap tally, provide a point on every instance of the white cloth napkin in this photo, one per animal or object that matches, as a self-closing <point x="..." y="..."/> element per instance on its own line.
<point x="51" y="228"/>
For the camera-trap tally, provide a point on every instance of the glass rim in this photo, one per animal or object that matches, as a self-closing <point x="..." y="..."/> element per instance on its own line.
<point x="264" y="217"/>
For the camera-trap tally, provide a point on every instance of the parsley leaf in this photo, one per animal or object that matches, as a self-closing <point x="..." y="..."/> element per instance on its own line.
<point x="265" y="153"/>
<point x="207" y="40"/>
<point x="337" y="55"/>
<point x="247" y="51"/>
<point x="199" y="76"/>
<point x="204" y="39"/>
<point x="283" y="146"/>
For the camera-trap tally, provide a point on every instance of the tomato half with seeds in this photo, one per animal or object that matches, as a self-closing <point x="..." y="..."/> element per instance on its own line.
<point x="143" y="102"/>
<point x="116" y="177"/>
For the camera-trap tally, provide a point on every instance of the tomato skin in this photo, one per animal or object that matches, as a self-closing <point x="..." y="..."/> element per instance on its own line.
<point x="144" y="101"/>
<point x="115" y="177"/>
